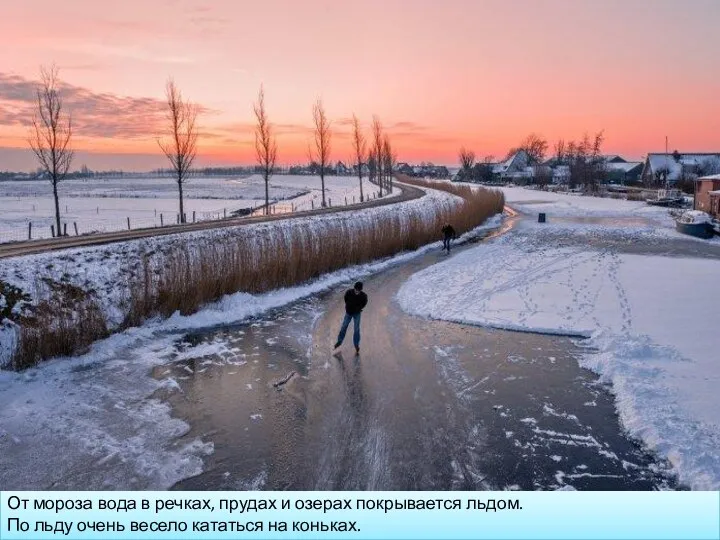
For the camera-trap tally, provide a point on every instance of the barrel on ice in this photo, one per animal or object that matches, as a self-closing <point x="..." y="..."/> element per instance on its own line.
<point x="541" y="217"/>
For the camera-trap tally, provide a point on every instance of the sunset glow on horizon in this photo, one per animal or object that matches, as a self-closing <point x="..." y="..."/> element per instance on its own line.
<point x="439" y="75"/>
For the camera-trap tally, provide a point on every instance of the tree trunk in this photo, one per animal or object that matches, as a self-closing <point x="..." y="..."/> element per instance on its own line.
<point x="57" y="205"/>
<point x="267" y="193"/>
<point x="182" y="208"/>
<point x="322" y="183"/>
<point x="361" y="191"/>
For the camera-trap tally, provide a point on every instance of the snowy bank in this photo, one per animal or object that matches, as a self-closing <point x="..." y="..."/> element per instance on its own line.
<point x="651" y="320"/>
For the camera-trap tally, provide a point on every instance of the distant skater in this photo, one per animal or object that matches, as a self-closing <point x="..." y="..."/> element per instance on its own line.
<point x="448" y="234"/>
<point x="355" y="302"/>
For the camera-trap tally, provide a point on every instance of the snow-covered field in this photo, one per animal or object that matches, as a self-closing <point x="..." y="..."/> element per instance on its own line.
<point x="62" y="419"/>
<point x="651" y="319"/>
<point x="106" y="204"/>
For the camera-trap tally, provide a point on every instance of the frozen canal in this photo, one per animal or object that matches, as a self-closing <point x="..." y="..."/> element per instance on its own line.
<point x="426" y="405"/>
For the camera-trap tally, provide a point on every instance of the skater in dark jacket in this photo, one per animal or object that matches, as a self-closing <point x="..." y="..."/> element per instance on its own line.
<point x="448" y="234"/>
<point x="355" y="302"/>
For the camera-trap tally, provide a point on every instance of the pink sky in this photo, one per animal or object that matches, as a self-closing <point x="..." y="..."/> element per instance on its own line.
<point x="439" y="74"/>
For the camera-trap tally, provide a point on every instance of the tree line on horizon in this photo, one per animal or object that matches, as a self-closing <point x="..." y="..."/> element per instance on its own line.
<point x="51" y="135"/>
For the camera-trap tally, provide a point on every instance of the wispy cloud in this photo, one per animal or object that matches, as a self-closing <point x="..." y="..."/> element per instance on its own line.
<point x="248" y="129"/>
<point x="407" y="127"/>
<point x="94" y="114"/>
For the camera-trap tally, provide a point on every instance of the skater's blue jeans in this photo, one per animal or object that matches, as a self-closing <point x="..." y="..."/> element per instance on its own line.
<point x="446" y="243"/>
<point x="356" y="329"/>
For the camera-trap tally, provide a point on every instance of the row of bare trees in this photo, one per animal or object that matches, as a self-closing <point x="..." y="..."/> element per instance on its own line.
<point x="381" y="158"/>
<point x="51" y="135"/>
<point x="583" y="158"/>
<point x="472" y="171"/>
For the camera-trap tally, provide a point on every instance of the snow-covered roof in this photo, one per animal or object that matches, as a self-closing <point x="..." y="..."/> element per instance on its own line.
<point x="711" y="177"/>
<point x="674" y="166"/>
<point x="625" y="167"/>
<point x="503" y="166"/>
<point x="716" y="192"/>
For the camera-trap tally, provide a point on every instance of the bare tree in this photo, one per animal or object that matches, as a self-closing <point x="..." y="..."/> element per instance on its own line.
<point x="51" y="134"/>
<point x="360" y="148"/>
<point x="180" y="143"/>
<point x="321" y="152"/>
<point x="377" y="150"/>
<point x="534" y="145"/>
<point x="560" y="151"/>
<point x="265" y="145"/>
<point x="483" y="172"/>
<point x="542" y="175"/>
<point x="389" y="162"/>
<point x="598" y="167"/>
<point x="467" y="162"/>
<point x="372" y="166"/>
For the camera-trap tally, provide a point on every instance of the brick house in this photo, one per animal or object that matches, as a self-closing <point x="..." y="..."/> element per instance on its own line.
<point x="707" y="195"/>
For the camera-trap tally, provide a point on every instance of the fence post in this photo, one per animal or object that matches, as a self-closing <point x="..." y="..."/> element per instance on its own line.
<point x="224" y="212"/>
<point x="312" y="204"/>
<point x="193" y="216"/>
<point x="345" y="200"/>
<point x="128" y="220"/>
<point x="184" y="219"/>
<point x="29" y="230"/>
<point x="52" y="230"/>
<point x="156" y="212"/>
<point x="161" y="220"/>
<point x="64" y="229"/>
<point x="329" y="202"/>
<point x="178" y="218"/>
<point x="75" y="225"/>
